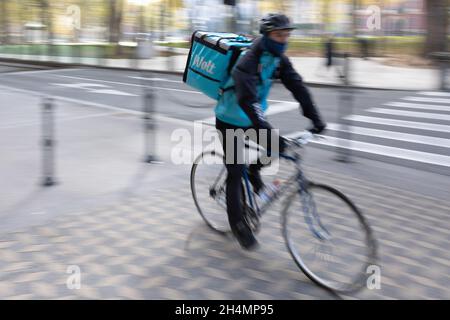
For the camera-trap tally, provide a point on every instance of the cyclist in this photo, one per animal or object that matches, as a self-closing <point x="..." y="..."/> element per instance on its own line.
<point x="244" y="108"/>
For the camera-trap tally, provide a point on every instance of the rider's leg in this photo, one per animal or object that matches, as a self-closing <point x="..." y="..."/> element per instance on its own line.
<point x="268" y="141"/>
<point x="234" y="193"/>
<point x="235" y="171"/>
<point x="254" y="176"/>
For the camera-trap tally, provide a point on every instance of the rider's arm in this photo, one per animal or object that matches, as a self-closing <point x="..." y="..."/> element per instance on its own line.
<point x="245" y="76"/>
<point x="294" y="83"/>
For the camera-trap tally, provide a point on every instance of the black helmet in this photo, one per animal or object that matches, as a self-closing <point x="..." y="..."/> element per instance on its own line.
<point x="275" y="21"/>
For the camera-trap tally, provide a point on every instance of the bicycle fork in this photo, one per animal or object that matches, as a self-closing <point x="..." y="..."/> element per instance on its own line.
<point x="311" y="216"/>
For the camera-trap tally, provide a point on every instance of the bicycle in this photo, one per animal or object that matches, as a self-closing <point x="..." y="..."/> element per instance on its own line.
<point x="310" y="224"/>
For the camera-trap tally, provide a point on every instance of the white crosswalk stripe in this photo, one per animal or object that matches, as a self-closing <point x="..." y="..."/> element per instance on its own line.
<point x="414" y="130"/>
<point x="399" y="153"/>
<point x="393" y="135"/>
<point x="436" y="100"/>
<point x="435" y="93"/>
<point x="433" y="107"/>
<point x="400" y="123"/>
<point x="412" y="114"/>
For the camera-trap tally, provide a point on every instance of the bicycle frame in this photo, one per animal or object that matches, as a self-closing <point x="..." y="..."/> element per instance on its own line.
<point x="298" y="176"/>
<point x="311" y="216"/>
<point x="309" y="207"/>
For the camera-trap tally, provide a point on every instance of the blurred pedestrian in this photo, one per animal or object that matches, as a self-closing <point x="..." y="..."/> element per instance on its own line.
<point x="328" y="52"/>
<point x="363" y="42"/>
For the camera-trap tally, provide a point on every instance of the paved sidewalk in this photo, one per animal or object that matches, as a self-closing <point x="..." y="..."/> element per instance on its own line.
<point x="370" y="73"/>
<point x="157" y="247"/>
<point x="99" y="157"/>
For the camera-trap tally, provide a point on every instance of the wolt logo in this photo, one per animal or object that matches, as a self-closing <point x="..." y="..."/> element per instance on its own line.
<point x="201" y="63"/>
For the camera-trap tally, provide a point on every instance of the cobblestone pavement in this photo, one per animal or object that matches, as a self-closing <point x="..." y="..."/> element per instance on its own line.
<point x="157" y="247"/>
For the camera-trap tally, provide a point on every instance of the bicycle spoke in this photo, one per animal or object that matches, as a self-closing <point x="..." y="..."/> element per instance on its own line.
<point x="336" y="262"/>
<point x="210" y="199"/>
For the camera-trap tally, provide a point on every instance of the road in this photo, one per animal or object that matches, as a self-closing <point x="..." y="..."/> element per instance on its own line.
<point x="132" y="228"/>
<point x="409" y="129"/>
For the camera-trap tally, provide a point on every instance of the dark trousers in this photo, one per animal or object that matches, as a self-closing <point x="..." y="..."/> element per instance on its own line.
<point x="235" y="165"/>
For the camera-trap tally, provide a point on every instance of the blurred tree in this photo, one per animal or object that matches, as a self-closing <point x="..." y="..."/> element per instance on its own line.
<point x="142" y="25"/>
<point x="285" y="6"/>
<point x="168" y="9"/>
<point x="21" y="16"/>
<point x="4" y="23"/>
<point x="355" y="6"/>
<point x="436" y="26"/>
<point x="46" y="18"/>
<point x="115" y="19"/>
<point x="326" y="19"/>
<point x="162" y="20"/>
<point x="232" y="19"/>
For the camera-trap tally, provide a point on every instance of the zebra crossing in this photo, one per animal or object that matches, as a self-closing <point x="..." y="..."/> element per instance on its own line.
<point x="413" y="131"/>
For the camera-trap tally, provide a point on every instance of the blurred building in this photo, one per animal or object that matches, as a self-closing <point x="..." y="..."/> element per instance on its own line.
<point x="313" y="17"/>
<point x="397" y="17"/>
<point x="177" y="18"/>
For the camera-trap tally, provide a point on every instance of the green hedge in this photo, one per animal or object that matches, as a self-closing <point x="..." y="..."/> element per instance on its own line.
<point x="88" y="50"/>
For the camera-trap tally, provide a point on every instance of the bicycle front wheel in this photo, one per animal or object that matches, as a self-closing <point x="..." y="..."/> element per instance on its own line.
<point x="328" y="238"/>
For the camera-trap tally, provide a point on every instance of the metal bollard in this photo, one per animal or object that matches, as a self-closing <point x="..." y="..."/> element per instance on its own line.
<point x="170" y="59"/>
<point x="149" y="125"/>
<point x="442" y="60"/>
<point x="443" y="76"/>
<point x="48" y="143"/>
<point x="345" y="108"/>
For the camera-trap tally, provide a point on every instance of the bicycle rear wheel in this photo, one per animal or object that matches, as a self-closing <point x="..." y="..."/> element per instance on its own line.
<point x="208" y="175"/>
<point x="328" y="238"/>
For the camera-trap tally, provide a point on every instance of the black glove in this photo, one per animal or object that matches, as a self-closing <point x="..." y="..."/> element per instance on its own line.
<point x="317" y="127"/>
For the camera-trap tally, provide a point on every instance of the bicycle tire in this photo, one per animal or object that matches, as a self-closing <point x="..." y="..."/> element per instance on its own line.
<point x="202" y="213"/>
<point x="359" y="283"/>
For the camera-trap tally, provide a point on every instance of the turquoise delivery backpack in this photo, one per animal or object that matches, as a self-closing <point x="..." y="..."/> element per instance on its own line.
<point x="211" y="59"/>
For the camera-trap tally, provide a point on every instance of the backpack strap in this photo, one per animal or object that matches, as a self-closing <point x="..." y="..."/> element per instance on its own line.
<point x="236" y="53"/>
<point x="260" y="71"/>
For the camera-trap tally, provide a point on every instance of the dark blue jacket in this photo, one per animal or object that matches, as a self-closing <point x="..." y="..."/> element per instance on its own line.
<point x="252" y="78"/>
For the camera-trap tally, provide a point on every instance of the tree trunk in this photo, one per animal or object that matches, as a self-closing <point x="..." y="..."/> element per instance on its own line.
<point x="46" y="18"/>
<point x="4" y="25"/>
<point x="142" y="26"/>
<point x="115" y="20"/>
<point x="162" y="21"/>
<point x="436" y="26"/>
<point x="355" y="7"/>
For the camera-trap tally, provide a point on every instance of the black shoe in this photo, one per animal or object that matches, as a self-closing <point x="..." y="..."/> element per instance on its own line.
<point x="244" y="235"/>
<point x="255" y="179"/>
<point x="317" y="129"/>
